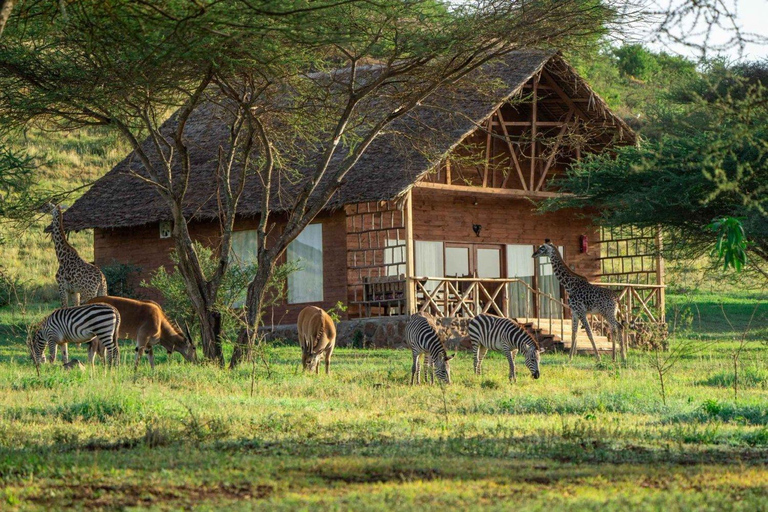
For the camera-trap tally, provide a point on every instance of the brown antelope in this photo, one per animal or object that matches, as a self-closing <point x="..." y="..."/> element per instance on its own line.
<point x="317" y="335"/>
<point x="145" y="322"/>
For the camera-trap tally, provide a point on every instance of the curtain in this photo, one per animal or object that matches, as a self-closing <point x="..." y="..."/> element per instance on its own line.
<point x="520" y="264"/>
<point x="306" y="284"/>
<point x="429" y="261"/>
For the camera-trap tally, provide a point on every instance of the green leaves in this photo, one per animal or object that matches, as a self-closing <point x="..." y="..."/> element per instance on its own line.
<point x="731" y="246"/>
<point x="700" y="171"/>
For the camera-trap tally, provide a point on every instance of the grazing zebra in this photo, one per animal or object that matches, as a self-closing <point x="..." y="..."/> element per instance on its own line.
<point x="79" y="324"/>
<point x="422" y="338"/>
<point x="496" y="333"/>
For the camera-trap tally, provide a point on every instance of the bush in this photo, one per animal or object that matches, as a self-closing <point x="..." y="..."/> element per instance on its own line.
<point x="8" y="288"/>
<point x="119" y="282"/>
<point x="231" y="296"/>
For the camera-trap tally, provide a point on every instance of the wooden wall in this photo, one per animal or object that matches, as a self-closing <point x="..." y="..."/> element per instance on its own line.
<point x="142" y="246"/>
<point x="448" y="217"/>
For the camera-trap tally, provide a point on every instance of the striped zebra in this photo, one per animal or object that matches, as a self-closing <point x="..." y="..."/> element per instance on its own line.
<point x="422" y="338"/>
<point x="98" y="323"/>
<point x="496" y="333"/>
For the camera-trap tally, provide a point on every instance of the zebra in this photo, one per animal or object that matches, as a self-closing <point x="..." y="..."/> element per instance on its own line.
<point x="496" y="333"/>
<point x="95" y="323"/>
<point x="422" y="338"/>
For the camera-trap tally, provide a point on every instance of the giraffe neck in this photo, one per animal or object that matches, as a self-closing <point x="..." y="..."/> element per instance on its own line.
<point x="567" y="277"/>
<point x="63" y="249"/>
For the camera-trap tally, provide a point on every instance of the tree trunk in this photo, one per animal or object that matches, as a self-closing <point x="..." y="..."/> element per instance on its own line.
<point x="211" y="336"/>
<point x="198" y="289"/>
<point x="255" y="301"/>
<point x="6" y="6"/>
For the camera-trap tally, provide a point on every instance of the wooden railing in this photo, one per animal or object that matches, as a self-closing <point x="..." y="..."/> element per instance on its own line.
<point x="467" y="297"/>
<point x="639" y="303"/>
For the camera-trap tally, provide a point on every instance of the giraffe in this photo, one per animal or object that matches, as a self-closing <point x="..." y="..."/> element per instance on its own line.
<point x="78" y="280"/>
<point x="583" y="297"/>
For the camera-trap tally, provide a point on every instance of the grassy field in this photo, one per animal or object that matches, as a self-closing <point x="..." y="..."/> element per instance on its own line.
<point x="583" y="436"/>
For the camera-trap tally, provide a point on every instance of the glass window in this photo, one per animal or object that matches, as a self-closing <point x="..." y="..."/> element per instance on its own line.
<point x="243" y="248"/>
<point x="488" y="263"/>
<point x="394" y="257"/>
<point x="306" y="284"/>
<point x="457" y="261"/>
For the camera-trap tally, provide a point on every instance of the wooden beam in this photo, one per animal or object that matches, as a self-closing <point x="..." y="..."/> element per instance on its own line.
<point x="662" y="303"/>
<point x="543" y="124"/>
<point x="487" y="151"/>
<point x="555" y="148"/>
<point x="499" y="192"/>
<point x="563" y="96"/>
<point x="512" y="153"/>
<point x="410" y="285"/>
<point x="534" y="105"/>
<point x="448" y="171"/>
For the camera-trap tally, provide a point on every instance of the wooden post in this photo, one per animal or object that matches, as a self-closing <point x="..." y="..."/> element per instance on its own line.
<point x="410" y="285"/>
<point x="662" y="303"/>
<point x="533" y="129"/>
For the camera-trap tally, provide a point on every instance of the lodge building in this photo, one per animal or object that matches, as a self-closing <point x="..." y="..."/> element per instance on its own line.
<point x="450" y="231"/>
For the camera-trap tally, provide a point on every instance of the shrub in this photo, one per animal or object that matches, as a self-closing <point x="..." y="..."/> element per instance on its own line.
<point x="231" y="296"/>
<point x="119" y="282"/>
<point x="8" y="288"/>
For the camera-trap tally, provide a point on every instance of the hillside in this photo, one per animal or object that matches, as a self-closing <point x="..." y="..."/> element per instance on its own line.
<point x="67" y="162"/>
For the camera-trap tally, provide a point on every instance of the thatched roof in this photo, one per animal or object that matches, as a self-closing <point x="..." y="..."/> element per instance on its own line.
<point x="392" y="164"/>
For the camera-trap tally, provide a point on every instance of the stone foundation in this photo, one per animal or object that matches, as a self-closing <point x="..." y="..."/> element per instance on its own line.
<point x="382" y="332"/>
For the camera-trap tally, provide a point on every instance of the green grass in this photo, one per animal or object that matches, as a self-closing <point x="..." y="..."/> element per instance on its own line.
<point x="582" y="436"/>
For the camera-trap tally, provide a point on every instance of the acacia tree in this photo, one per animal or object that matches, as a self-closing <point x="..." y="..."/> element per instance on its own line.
<point x="330" y="75"/>
<point x="700" y="172"/>
<point x="376" y="68"/>
<point x="126" y="65"/>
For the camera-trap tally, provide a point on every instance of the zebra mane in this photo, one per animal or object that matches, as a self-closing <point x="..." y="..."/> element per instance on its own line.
<point x="533" y="340"/>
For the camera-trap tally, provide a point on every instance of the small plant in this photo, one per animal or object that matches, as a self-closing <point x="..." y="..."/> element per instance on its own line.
<point x="8" y="288"/>
<point x="681" y="346"/>
<point x="358" y="339"/>
<point x="336" y="310"/>
<point x="489" y="384"/>
<point x="736" y="355"/>
<point x="712" y="407"/>
<point x="119" y="282"/>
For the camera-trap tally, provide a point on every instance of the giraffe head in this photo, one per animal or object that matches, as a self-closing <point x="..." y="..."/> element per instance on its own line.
<point x="545" y="249"/>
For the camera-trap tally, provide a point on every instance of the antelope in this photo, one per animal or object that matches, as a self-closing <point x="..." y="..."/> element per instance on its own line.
<point x="317" y="336"/>
<point x="145" y="322"/>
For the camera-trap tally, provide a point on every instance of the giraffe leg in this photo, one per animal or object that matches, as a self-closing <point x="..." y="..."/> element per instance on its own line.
<point x="589" y="333"/>
<point x="574" y="332"/>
